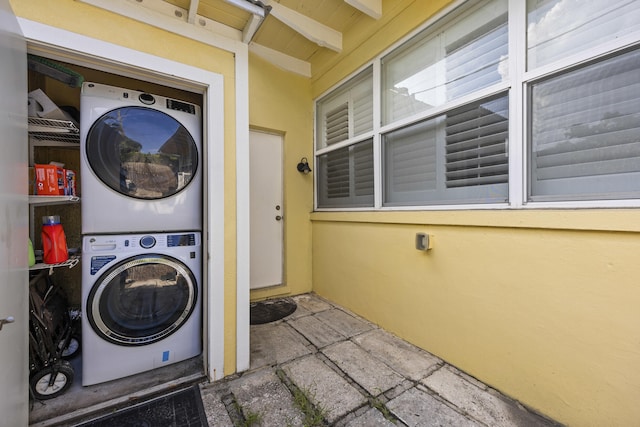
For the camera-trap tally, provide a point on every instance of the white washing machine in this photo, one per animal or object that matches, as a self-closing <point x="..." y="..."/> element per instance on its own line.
<point x="140" y="162"/>
<point x="141" y="303"/>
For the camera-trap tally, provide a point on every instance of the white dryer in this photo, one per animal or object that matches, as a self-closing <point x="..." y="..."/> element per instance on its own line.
<point x="141" y="303"/>
<point x="140" y="162"/>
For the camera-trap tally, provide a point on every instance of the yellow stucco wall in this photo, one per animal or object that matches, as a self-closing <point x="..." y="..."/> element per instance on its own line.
<point x="540" y="304"/>
<point x="93" y="22"/>
<point x="280" y="102"/>
<point x="548" y="316"/>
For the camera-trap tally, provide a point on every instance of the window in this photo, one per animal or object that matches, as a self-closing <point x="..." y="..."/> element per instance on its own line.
<point x="346" y="113"/>
<point x="469" y="118"/>
<point x="345" y="168"/>
<point x="585" y="132"/>
<point x="558" y="28"/>
<point x="345" y="176"/>
<point x="459" y="156"/>
<point x="436" y="67"/>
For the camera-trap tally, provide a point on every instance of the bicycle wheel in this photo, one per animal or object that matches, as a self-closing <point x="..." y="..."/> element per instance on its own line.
<point x="44" y="387"/>
<point x="73" y="347"/>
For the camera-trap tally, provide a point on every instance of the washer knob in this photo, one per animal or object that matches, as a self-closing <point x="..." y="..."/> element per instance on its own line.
<point x="147" y="99"/>
<point x="147" y="242"/>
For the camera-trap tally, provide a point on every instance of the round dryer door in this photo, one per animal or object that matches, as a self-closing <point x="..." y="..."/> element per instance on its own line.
<point x="142" y="299"/>
<point x="141" y="153"/>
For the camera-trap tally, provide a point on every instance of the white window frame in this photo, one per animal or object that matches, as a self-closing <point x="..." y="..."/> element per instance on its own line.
<point x="590" y="55"/>
<point x="517" y="85"/>
<point x="356" y="78"/>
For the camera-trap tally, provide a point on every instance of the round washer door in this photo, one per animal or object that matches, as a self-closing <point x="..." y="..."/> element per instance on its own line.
<point x="141" y="153"/>
<point x="142" y="299"/>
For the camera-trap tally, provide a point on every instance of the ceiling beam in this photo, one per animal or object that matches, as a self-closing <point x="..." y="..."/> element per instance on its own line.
<point x="311" y="29"/>
<point x="193" y="11"/>
<point x="281" y="60"/>
<point x="373" y="8"/>
<point x="248" y="6"/>
<point x="174" y="19"/>
<point x="251" y="27"/>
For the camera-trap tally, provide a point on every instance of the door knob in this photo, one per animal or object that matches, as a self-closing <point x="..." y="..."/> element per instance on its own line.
<point x="9" y="319"/>
<point x="278" y="217"/>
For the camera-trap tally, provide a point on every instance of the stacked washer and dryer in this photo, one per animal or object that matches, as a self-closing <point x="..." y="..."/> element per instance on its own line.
<point x="141" y="223"/>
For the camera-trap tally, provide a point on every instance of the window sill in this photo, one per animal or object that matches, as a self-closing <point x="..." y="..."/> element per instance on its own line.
<point x="619" y="220"/>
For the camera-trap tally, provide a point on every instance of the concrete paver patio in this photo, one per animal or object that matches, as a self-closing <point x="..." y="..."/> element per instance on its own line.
<point x="325" y="366"/>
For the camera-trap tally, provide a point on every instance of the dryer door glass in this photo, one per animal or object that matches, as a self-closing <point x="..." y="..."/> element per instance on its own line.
<point x="142" y="299"/>
<point x="141" y="153"/>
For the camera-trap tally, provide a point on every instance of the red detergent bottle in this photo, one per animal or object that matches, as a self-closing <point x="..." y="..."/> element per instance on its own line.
<point x="54" y="242"/>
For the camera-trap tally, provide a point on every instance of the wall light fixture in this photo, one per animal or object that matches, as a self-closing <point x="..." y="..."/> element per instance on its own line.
<point x="303" y="166"/>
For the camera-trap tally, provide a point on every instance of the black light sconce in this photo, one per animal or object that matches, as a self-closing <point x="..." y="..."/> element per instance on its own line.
<point x="303" y="166"/>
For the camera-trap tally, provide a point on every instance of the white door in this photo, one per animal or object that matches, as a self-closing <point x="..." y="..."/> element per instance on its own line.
<point x="265" y="161"/>
<point x="14" y="228"/>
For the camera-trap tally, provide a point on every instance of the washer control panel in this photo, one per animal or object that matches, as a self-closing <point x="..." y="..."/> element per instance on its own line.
<point x="188" y="239"/>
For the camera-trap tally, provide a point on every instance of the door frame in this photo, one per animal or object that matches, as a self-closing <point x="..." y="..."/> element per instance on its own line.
<point x="64" y="45"/>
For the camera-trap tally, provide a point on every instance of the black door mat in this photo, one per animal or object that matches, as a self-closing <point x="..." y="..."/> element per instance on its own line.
<point x="180" y="409"/>
<point x="271" y="310"/>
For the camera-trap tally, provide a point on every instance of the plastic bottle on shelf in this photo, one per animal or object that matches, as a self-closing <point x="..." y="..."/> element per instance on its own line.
<point x="32" y="255"/>
<point x="54" y="242"/>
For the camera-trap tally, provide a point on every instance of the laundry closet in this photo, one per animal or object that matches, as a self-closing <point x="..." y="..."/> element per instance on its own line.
<point x="135" y="226"/>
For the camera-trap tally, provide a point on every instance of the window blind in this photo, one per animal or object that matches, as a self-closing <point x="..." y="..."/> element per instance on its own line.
<point x="586" y="130"/>
<point x="346" y="113"/>
<point x="337" y="124"/>
<point x="363" y="169"/>
<point x="337" y="174"/>
<point x="459" y="156"/>
<point x="362" y="106"/>
<point x="437" y="67"/>
<point x="410" y="161"/>
<point x="476" y="144"/>
<point x="345" y="177"/>
<point x="474" y="62"/>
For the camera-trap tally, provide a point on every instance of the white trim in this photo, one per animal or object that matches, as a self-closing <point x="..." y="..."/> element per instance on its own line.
<point x="586" y="204"/>
<point x="248" y="6"/>
<point x="243" y="218"/>
<point x="517" y="108"/>
<point x="253" y="25"/>
<point x="163" y="15"/>
<point x="439" y="110"/>
<point x="46" y="37"/>
<point x="58" y="40"/>
<point x="421" y="208"/>
<point x="193" y="11"/>
<point x="377" y="135"/>
<point x="281" y="60"/>
<point x="584" y="56"/>
<point x="214" y="113"/>
<point x="313" y="30"/>
<point x="373" y="8"/>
